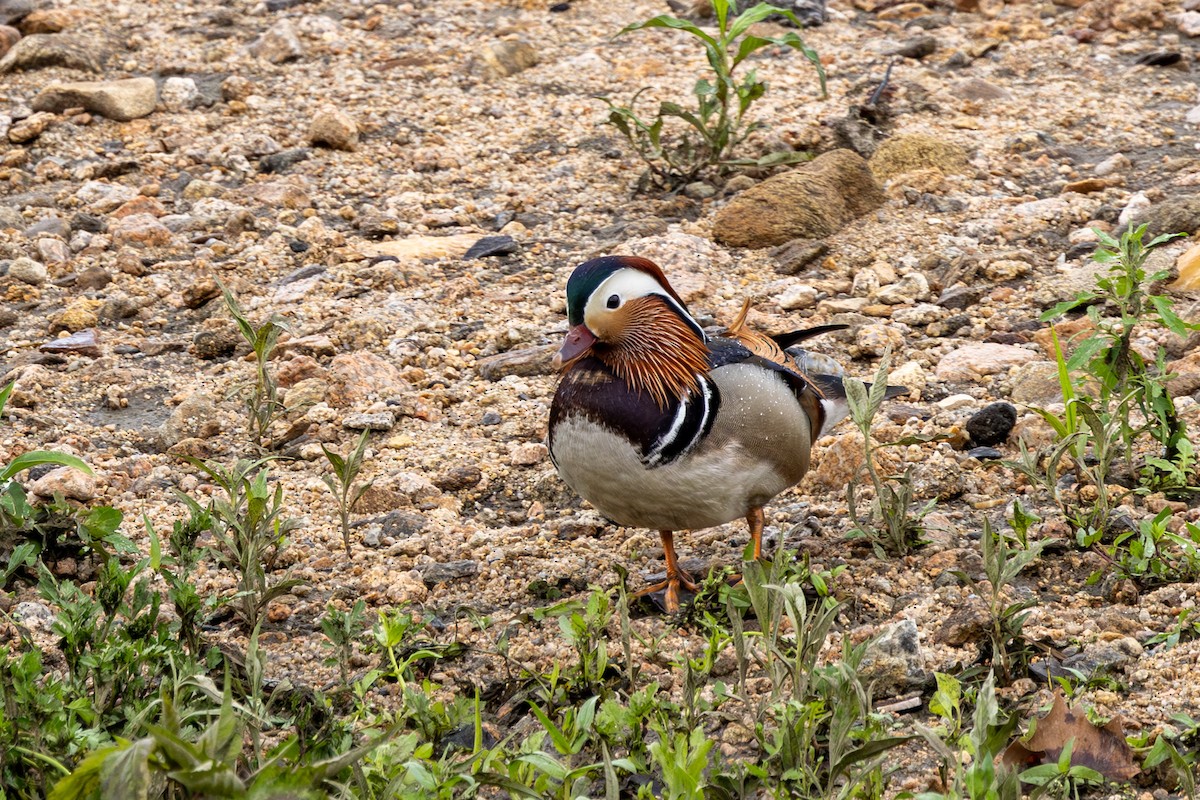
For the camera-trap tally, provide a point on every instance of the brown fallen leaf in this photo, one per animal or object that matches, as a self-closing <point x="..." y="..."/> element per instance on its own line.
<point x="1103" y="749"/>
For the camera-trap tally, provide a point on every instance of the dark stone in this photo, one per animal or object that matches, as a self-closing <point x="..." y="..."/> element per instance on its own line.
<point x="280" y="162"/>
<point x="433" y="574"/>
<point x="985" y="453"/>
<point x="992" y="424"/>
<point x="304" y="272"/>
<point x="401" y="524"/>
<point x="1160" y="58"/>
<point x="492" y="246"/>
<point x="958" y="298"/>
<point x="298" y="246"/>
<point x="490" y="418"/>
<point x="87" y="222"/>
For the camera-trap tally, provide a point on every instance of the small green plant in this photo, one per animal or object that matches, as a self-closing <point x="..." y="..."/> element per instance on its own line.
<point x="978" y="777"/>
<point x="263" y="406"/>
<point x="1108" y="354"/>
<point x="250" y="531"/>
<point x="342" y="630"/>
<point x="1002" y="563"/>
<point x="1153" y="556"/>
<point x="1185" y="629"/>
<point x="708" y="135"/>
<point x="891" y="526"/>
<point x="341" y="483"/>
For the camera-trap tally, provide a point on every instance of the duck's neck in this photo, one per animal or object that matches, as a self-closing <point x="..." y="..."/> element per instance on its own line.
<point x="658" y="353"/>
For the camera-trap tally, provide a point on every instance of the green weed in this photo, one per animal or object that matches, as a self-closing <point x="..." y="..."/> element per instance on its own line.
<point x="707" y="135"/>
<point x="341" y="483"/>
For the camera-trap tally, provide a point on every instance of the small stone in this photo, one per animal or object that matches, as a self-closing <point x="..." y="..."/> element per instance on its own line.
<point x="458" y="479"/>
<point x="502" y="59"/>
<point x="979" y="91"/>
<point x="958" y="298"/>
<point x="1005" y="270"/>
<point x="93" y="278"/>
<point x="360" y="378"/>
<point x="195" y="417"/>
<point x="528" y="454"/>
<point x="893" y="662"/>
<point x="9" y="36"/>
<point x="370" y="421"/>
<point x="120" y="100"/>
<point x="985" y="454"/>
<point x="492" y="246"/>
<point x="72" y="483"/>
<point x="1117" y="162"/>
<point x="334" y="128"/>
<point x="433" y="574"/>
<point x="78" y="315"/>
<point x="82" y="343"/>
<point x="236" y="87"/>
<point x="910" y="288"/>
<point x="797" y="297"/>
<point x="179" y="94"/>
<point x="200" y="292"/>
<point x="527" y="361"/>
<point x="140" y="230"/>
<point x="26" y="270"/>
<point x="699" y="190"/>
<point x="279" y="44"/>
<point x="916" y="48"/>
<point x="30" y="128"/>
<point x="992" y="424"/>
<point x="812" y="201"/>
<point x="1188" y="265"/>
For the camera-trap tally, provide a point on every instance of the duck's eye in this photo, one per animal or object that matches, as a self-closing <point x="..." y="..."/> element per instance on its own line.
<point x="614" y="301"/>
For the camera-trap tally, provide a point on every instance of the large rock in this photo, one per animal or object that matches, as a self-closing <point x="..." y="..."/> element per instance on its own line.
<point x="54" y="50"/>
<point x="120" y="100"/>
<point x="917" y="151"/>
<point x="975" y="361"/>
<point x="812" y="201"/>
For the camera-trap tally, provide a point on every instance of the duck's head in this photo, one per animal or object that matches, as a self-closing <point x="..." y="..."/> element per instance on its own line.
<point x="622" y="310"/>
<point x="616" y="301"/>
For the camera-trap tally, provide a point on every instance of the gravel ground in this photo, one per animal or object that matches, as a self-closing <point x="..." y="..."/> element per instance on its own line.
<point x="332" y="163"/>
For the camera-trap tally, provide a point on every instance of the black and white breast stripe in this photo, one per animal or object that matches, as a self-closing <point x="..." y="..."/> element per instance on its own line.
<point x="692" y="421"/>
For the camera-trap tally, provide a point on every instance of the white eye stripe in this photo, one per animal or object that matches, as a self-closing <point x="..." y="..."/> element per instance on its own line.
<point x="627" y="284"/>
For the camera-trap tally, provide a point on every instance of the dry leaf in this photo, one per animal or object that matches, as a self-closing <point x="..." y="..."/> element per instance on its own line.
<point x="1103" y="749"/>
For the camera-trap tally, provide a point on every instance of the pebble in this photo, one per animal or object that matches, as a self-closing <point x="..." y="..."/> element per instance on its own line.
<point x="279" y="44"/>
<point x="434" y="574"/>
<point x="82" y="343"/>
<point x="179" y="94"/>
<point x="797" y="297"/>
<point x="334" y="128"/>
<point x="370" y="421"/>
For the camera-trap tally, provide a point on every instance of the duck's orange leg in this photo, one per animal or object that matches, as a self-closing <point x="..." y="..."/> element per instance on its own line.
<point x="676" y="577"/>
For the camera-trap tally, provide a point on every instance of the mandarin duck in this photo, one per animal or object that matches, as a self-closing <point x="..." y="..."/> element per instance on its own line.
<point x="659" y="425"/>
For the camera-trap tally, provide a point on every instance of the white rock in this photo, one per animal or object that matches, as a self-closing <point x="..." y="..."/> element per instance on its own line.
<point x="797" y="297"/>
<point x="179" y="94"/>
<point x="1136" y="207"/>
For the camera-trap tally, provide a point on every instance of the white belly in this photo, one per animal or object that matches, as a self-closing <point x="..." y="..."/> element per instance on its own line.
<point x="758" y="448"/>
